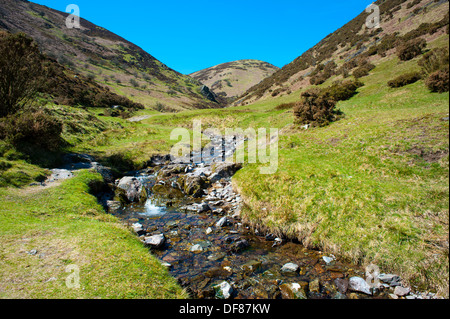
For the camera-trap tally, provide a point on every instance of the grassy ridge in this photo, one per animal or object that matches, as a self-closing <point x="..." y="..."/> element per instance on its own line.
<point x="67" y="226"/>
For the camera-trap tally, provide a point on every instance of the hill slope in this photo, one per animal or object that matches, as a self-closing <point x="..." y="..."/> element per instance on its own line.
<point x="104" y="56"/>
<point x="354" y="42"/>
<point x="232" y="79"/>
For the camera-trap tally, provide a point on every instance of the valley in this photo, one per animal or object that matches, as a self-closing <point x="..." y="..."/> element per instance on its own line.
<point x="368" y="186"/>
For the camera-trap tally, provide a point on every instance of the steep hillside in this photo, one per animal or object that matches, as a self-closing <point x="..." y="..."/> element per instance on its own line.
<point x="232" y="79"/>
<point x="104" y="57"/>
<point x="338" y="54"/>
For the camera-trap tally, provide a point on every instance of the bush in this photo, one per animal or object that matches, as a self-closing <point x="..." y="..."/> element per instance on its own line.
<point x="343" y="91"/>
<point x="323" y="72"/>
<point x="405" y="79"/>
<point x="434" y="60"/>
<point x="315" y="108"/>
<point x="411" y="49"/>
<point x="20" y="71"/>
<point x="363" y="70"/>
<point x="134" y="83"/>
<point x="439" y="81"/>
<point x="33" y="126"/>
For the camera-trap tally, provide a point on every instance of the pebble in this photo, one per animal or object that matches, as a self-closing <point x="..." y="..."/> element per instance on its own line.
<point x="290" y="268"/>
<point x="196" y="248"/>
<point x="328" y="260"/>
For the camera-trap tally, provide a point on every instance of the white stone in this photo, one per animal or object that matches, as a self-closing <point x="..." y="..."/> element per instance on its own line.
<point x="360" y="285"/>
<point x="223" y="290"/>
<point x="155" y="241"/>
<point x="196" y="248"/>
<point x="290" y="268"/>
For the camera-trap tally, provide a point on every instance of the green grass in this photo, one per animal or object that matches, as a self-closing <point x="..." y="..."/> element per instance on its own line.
<point x="66" y="226"/>
<point x="371" y="188"/>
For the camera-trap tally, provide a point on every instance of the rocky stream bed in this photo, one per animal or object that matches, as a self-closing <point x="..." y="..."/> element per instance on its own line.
<point x="189" y="217"/>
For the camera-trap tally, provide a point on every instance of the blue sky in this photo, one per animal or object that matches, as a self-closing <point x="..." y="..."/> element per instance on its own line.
<point x="191" y="35"/>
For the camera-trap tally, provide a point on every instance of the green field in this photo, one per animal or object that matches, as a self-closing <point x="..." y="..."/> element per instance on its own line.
<point x="66" y="226"/>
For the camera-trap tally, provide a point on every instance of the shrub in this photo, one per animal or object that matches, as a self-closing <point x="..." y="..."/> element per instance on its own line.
<point x="439" y="81"/>
<point x="434" y="60"/>
<point x="315" y="108"/>
<point x="33" y="126"/>
<point x="134" y="83"/>
<point x="323" y="72"/>
<point x="388" y="42"/>
<point x="343" y="91"/>
<point x="411" y="49"/>
<point x="363" y="70"/>
<point x="318" y="79"/>
<point x="20" y="71"/>
<point x="405" y="79"/>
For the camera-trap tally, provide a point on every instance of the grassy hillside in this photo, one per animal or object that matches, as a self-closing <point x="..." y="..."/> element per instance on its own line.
<point x="341" y="52"/>
<point x="104" y="57"/>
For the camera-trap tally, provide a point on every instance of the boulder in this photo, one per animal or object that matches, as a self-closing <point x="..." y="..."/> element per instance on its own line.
<point x="391" y="279"/>
<point x="328" y="260"/>
<point x="171" y="170"/>
<point x="138" y="229"/>
<point x="252" y="266"/>
<point x="360" y="285"/>
<point x="290" y="269"/>
<point x="193" y="185"/>
<point x="167" y="191"/>
<point x="155" y="241"/>
<point x="203" y="207"/>
<point x="130" y="190"/>
<point x="157" y="160"/>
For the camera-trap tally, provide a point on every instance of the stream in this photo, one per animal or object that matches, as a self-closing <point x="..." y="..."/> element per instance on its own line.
<point x="190" y="220"/>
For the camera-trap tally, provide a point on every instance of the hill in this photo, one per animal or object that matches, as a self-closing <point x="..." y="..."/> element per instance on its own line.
<point x="353" y="44"/>
<point x="232" y="79"/>
<point x="103" y="56"/>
